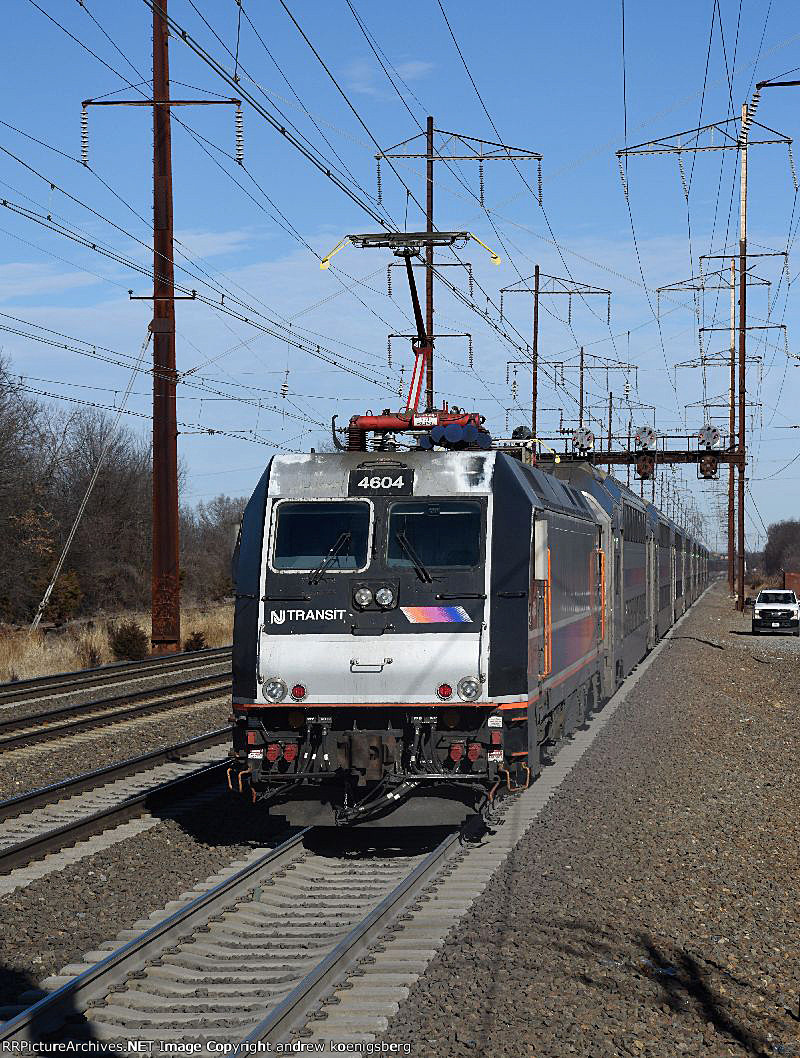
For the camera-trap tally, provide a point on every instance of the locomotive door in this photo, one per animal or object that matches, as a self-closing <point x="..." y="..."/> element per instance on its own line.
<point x="540" y="629"/>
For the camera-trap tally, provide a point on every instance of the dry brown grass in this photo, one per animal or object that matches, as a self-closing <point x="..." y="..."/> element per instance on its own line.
<point x="81" y="645"/>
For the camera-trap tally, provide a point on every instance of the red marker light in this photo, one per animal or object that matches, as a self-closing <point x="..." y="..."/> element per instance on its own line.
<point x="273" y="752"/>
<point x="456" y="752"/>
<point x="474" y="750"/>
<point x="298" y="692"/>
<point x="290" y="751"/>
<point x="444" y="690"/>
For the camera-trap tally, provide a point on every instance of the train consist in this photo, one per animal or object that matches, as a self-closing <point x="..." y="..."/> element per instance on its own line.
<point x="414" y="628"/>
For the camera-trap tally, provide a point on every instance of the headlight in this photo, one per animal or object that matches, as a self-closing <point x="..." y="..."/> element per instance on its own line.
<point x="274" y="689"/>
<point x="362" y="598"/>
<point x="758" y="613"/>
<point x="384" y="597"/>
<point x="469" y="688"/>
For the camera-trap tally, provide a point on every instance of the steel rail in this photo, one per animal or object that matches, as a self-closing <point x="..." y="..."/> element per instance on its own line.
<point x="91" y="780"/>
<point x="108" y="710"/>
<point x="104" y="818"/>
<point x="293" y="1011"/>
<point x="51" y="1012"/>
<point x="41" y="686"/>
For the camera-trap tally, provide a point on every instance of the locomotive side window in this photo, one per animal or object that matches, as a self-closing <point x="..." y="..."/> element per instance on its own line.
<point x="307" y="532"/>
<point x="444" y="534"/>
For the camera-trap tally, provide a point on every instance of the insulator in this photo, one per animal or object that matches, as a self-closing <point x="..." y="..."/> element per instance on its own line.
<point x="507" y="376"/>
<point x="239" y="136"/>
<point x="569" y="310"/>
<point x="470" y="281"/>
<point x="480" y="178"/>
<point x="539" y="168"/>
<point x="514" y="390"/>
<point x="400" y="384"/>
<point x="389" y="351"/>
<point x="608" y="312"/>
<point x="682" y="171"/>
<point x="85" y="136"/>
<point x="285" y="386"/>
<point x="501" y="310"/>
<point x="622" y="177"/>
<point x="506" y="420"/>
<point x="470" y="359"/>
<point x="389" y="280"/>
<point x="380" y="182"/>
<point x="791" y="165"/>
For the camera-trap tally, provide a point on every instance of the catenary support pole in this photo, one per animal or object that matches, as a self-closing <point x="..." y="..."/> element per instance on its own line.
<point x="166" y="617"/>
<point x="742" y="355"/>
<point x="610" y="407"/>
<point x="580" y="404"/>
<point x="535" y="352"/>
<point x="429" y="263"/>
<point x="732" y="436"/>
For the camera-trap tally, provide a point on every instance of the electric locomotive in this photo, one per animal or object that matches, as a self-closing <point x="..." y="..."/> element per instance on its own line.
<point x="412" y="627"/>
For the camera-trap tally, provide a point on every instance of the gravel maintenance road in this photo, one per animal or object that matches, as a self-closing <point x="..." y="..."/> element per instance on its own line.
<point x="651" y="909"/>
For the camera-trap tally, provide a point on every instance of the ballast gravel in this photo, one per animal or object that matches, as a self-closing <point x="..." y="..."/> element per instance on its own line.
<point x="651" y="909"/>
<point x="56" y="919"/>
<point x="29" y="768"/>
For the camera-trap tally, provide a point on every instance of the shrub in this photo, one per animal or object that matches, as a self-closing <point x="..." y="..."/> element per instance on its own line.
<point x="129" y="641"/>
<point x="196" y="641"/>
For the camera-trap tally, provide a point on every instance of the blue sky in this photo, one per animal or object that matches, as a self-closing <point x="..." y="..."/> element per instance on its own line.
<point x="551" y="77"/>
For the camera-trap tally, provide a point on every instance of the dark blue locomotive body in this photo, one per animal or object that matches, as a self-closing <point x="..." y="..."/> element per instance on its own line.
<point x="412" y="629"/>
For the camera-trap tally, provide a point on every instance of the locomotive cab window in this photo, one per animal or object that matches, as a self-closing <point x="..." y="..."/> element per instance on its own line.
<point x="439" y="535"/>
<point x="308" y="534"/>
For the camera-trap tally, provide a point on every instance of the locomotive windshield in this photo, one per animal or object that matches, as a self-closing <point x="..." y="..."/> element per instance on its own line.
<point x="437" y="535"/>
<point x="307" y="533"/>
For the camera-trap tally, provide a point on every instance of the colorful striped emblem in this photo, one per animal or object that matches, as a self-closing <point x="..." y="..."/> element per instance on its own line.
<point x="428" y="615"/>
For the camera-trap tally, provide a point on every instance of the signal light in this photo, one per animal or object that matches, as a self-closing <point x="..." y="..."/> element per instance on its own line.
<point x="497" y="738"/>
<point x="273" y="752"/>
<point x="290" y="751"/>
<point x="474" y="751"/>
<point x="708" y="467"/>
<point x="645" y="466"/>
<point x="444" y="690"/>
<point x="456" y="752"/>
<point x="298" y="692"/>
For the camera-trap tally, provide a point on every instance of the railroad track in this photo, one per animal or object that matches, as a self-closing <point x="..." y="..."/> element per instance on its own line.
<point x="270" y="935"/>
<point x="64" y="720"/>
<point x="106" y="675"/>
<point x="54" y="817"/>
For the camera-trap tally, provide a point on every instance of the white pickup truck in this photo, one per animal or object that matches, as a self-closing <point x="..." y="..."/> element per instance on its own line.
<point x="776" y="610"/>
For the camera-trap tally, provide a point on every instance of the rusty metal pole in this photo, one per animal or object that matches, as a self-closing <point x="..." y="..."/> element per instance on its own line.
<point x="580" y="405"/>
<point x="630" y="424"/>
<point x="535" y="352"/>
<point x="166" y="614"/>
<point x="610" y="406"/>
<point x="732" y="435"/>
<point x="742" y="355"/>
<point x="429" y="264"/>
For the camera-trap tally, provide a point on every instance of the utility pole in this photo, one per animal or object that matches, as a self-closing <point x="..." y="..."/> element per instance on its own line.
<point x="580" y="403"/>
<point x="429" y="263"/>
<point x="732" y="432"/>
<point x="535" y="352"/>
<point x="166" y="606"/>
<point x="742" y="350"/>
<point x="165" y="597"/>
<point x="472" y="150"/>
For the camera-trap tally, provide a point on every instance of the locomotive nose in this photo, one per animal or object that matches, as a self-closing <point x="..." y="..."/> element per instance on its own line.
<point x="393" y="669"/>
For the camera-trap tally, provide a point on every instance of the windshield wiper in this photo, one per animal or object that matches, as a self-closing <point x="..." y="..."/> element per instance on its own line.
<point x="416" y="561"/>
<point x="321" y="570"/>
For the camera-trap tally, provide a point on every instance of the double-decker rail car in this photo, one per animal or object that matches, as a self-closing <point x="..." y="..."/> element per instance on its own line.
<point x="412" y="628"/>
